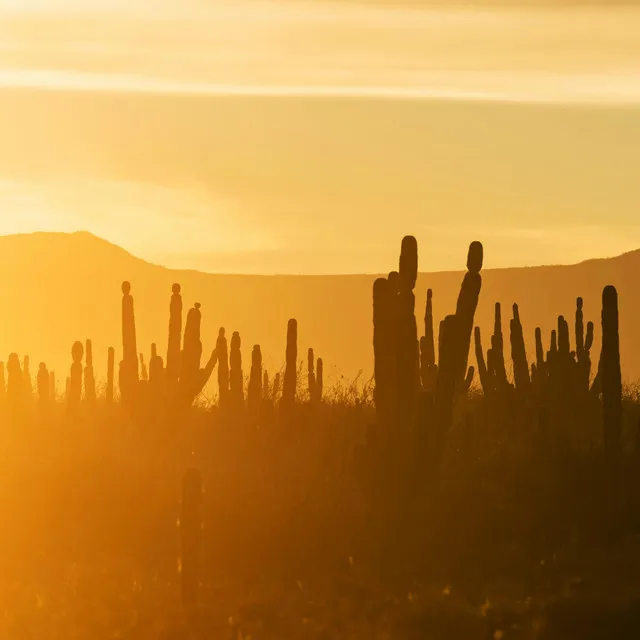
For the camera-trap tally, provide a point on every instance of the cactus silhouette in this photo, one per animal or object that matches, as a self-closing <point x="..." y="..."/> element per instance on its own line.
<point x="519" y="352"/>
<point x="611" y="376"/>
<point x="223" y="369"/>
<point x="311" y="374"/>
<point x="157" y="373"/>
<point x="193" y="379"/>
<point x="129" y="374"/>
<point x="190" y="536"/>
<point x="89" y="377"/>
<point x="266" y="390"/>
<point x="75" y="379"/>
<point x="174" y="350"/>
<point x="428" y="368"/>
<point x="291" y="369"/>
<point x="236" y="376"/>
<point x="319" y="380"/>
<point x="111" y="360"/>
<point x="144" y="372"/>
<point x="255" y="390"/>
<point x="43" y="382"/>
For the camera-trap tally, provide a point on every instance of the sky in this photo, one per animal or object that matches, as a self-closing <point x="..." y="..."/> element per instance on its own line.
<point x="307" y="137"/>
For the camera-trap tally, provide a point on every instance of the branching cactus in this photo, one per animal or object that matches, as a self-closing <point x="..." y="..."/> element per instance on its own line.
<point x="236" y="376"/>
<point x="129" y="374"/>
<point x="486" y="375"/>
<point x="611" y="376"/>
<point x="223" y="369"/>
<point x="255" y="390"/>
<point x="192" y="378"/>
<point x="190" y="537"/>
<point x="43" y="382"/>
<point x="291" y="369"/>
<point x="89" y="376"/>
<point x="75" y="379"/>
<point x="175" y="337"/>
<point x="111" y="361"/>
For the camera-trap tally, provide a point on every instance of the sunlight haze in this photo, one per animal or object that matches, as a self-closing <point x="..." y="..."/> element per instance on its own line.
<point x="263" y="136"/>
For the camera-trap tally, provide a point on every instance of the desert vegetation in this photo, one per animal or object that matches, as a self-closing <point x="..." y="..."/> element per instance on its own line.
<point x="469" y="490"/>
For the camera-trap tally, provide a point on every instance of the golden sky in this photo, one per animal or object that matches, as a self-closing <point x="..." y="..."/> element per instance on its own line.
<point x="277" y="136"/>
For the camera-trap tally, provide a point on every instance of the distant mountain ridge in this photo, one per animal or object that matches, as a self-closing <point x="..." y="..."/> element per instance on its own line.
<point x="58" y="288"/>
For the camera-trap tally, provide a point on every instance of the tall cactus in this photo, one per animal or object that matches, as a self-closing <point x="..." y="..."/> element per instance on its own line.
<point x="428" y="368"/>
<point x="311" y="374"/>
<point x="319" y="379"/>
<point x="384" y="350"/>
<point x="43" y="382"/>
<point x="174" y="348"/>
<point x="611" y="376"/>
<point x="75" y="379"/>
<point x="291" y="369"/>
<point x="236" y="376"/>
<point x="519" y="352"/>
<point x="190" y="537"/>
<point x="111" y="361"/>
<point x="408" y="371"/>
<point x="144" y="372"/>
<point x="89" y="376"/>
<point x="129" y="374"/>
<point x="255" y="390"/>
<point x="223" y="368"/>
<point x="156" y="367"/>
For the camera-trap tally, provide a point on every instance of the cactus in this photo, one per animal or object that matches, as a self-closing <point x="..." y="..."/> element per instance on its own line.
<point x="193" y="379"/>
<point x="111" y="359"/>
<point x="290" y="372"/>
<point x="129" y="374"/>
<point x="156" y="368"/>
<point x="266" y="391"/>
<point x="75" y="379"/>
<point x="311" y="374"/>
<point x="89" y="377"/>
<point x="190" y="537"/>
<point x="428" y="368"/>
<point x="408" y="368"/>
<point x="611" y="376"/>
<point x="236" y="376"/>
<point x="43" y="382"/>
<point x="487" y="376"/>
<point x="519" y="353"/>
<point x="319" y="379"/>
<point x="144" y="372"/>
<point x="384" y="350"/>
<point x="223" y="368"/>
<point x="256" y="387"/>
<point x="497" y="347"/>
<point x="174" y="350"/>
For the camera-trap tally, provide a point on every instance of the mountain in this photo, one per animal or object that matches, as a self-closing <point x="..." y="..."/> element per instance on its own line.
<point x="58" y="288"/>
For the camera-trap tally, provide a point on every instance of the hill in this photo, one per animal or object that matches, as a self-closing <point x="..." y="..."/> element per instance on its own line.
<point x="59" y="288"/>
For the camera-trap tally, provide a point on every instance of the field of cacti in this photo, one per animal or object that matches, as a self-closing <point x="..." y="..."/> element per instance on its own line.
<point x="441" y="499"/>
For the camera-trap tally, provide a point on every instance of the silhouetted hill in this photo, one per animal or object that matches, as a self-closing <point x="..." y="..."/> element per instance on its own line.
<point x="58" y="288"/>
